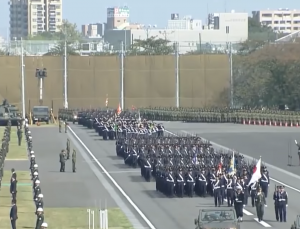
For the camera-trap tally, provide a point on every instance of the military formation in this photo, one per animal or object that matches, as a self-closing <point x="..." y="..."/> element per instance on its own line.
<point x="185" y="166"/>
<point x="36" y="182"/>
<point x="4" y="149"/>
<point x="224" y="115"/>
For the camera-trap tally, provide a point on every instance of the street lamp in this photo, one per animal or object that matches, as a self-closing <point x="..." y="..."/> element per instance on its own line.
<point x="148" y="28"/>
<point x="165" y="33"/>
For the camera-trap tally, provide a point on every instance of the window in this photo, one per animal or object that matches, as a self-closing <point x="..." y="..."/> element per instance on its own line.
<point x="266" y="15"/>
<point x="58" y="20"/>
<point x="58" y="13"/>
<point x="34" y="13"/>
<point x="34" y="7"/>
<point x="34" y="26"/>
<point x="40" y="109"/>
<point x="34" y="19"/>
<point x="118" y="20"/>
<point x="57" y="6"/>
<point x="227" y="29"/>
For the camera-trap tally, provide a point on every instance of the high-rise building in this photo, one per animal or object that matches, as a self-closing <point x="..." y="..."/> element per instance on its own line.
<point x="117" y="17"/>
<point x="30" y="17"/>
<point x="282" y="20"/>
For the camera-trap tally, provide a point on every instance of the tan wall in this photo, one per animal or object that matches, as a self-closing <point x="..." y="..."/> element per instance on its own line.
<point x="149" y="81"/>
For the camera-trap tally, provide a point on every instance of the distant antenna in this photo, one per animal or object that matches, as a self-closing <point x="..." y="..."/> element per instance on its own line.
<point x="225" y="6"/>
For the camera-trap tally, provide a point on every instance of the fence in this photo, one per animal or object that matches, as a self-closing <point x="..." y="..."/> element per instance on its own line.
<point x="148" y="80"/>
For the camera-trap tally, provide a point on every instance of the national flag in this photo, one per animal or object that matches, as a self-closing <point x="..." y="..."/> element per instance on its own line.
<point x="219" y="171"/>
<point x="106" y="101"/>
<point x="231" y="169"/>
<point x="119" y="110"/>
<point x="256" y="172"/>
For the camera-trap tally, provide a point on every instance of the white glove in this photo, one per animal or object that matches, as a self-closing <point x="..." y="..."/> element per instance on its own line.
<point x="287" y="205"/>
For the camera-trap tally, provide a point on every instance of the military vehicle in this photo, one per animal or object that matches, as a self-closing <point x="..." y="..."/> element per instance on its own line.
<point x="40" y="114"/>
<point x="8" y="111"/>
<point x="217" y="218"/>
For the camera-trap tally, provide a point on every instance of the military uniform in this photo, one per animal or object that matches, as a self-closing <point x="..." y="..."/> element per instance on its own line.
<point x="260" y="202"/>
<point x="68" y="149"/>
<point x="66" y="126"/>
<point x="238" y="203"/>
<point x="40" y="218"/>
<point x="74" y="161"/>
<point x="62" y="160"/>
<point x="20" y="134"/>
<point x="60" y="122"/>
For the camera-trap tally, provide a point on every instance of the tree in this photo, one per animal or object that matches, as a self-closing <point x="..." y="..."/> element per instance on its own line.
<point x="67" y="31"/>
<point x="59" y="50"/>
<point x="151" y="46"/>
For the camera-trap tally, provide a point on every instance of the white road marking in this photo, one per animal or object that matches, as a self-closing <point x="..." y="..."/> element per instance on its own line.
<point x="262" y="223"/>
<point x="147" y="221"/>
<point x="244" y="210"/>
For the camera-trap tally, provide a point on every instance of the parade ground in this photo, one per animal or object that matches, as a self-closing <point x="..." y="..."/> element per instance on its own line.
<point x="67" y="196"/>
<point x="159" y="211"/>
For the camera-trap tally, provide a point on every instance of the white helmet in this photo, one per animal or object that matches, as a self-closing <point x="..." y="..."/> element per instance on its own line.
<point x="35" y="166"/>
<point x="30" y="137"/>
<point x="40" y="196"/>
<point x="37" y="182"/>
<point x="45" y="225"/>
<point x="40" y="210"/>
<point x="35" y="173"/>
<point x="32" y="156"/>
<point x="31" y="152"/>
<point x="26" y="125"/>
<point x="29" y="132"/>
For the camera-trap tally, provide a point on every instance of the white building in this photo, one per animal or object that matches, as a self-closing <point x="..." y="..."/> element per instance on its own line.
<point x="228" y="27"/>
<point x="186" y="23"/>
<point x="280" y="20"/>
<point x="28" y="17"/>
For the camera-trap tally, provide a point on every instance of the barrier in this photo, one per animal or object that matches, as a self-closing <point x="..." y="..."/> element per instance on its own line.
<point x="91" y="218"/>
<point x="103" y="219"/>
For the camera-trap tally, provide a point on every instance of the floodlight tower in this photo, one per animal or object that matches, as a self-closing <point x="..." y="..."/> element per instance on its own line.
<point x="41" y="74"/>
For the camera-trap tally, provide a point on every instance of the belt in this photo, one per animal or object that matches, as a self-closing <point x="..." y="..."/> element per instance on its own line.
<point x="229" y="188"/>
<point x="222" y="185"/>
<point x="264" y="181"/>
<point x="217" y="187"/>
<point x="281" y="199"/>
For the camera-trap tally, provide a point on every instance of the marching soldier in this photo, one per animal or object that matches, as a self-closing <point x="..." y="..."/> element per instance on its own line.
<point x="276" y="202"/>
<point x="230" y="192"/>
<point x="264" y="183"/>
<point x="13" y="188"/>
<point x="60" y="122"/>
<point x="66" y="126"/>
<point x="217" y="192"/>
<point x="40" y="218"/>
<point x="260" y="202"/>
<point x="238" y="203"/>
<point x="283" y="203"/>
<point x="68" y="149"/>
<point x="298" y="150"/>
<point x="74" y="161"/>
<point x="62" y="160"/>
<point x="19" y="133"/>
<point x="253" y="189"/>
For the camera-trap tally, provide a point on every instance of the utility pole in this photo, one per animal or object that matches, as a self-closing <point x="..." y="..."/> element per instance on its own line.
<point x="122" y="54"/>
<point x="231" y="77"/>
<point x="22" y="79"/>
<point x="177" y="73"/>
<point x="65" y="78"/>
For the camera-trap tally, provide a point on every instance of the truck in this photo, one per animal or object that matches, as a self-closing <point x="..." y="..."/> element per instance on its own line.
<point x="40" y="114"/>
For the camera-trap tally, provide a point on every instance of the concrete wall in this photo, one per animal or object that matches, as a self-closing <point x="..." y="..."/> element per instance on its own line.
<point x="149" y="81"/>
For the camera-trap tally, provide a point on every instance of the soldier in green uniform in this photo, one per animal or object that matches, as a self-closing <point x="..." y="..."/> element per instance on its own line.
<point x="74" y="161"/>
<point x="40" y="218"/>
<point x="62" y="160"/>
<point x="59" y="125"/>
<point x="20" y="134"/>
<point x="260" y="202"/>
<point x="68" y="149"/>
<point x="66" y="126"/>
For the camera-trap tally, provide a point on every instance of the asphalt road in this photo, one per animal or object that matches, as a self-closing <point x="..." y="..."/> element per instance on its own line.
<point x="180" y="213"/>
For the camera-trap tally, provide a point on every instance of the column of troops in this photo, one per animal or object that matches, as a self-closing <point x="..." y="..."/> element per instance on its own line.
<point x="225" y="115"/>
<point x="184" y="166"/>
<point x="4" y="149"/>
<point x="36" y="182"/>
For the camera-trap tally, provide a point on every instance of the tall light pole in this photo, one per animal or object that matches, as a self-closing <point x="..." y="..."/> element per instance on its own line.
<point x="22" y="79"/>
<point x="122" y="54"/>
<point x="148" y="28"/>
<point x="66" y="105"/>
<point x="231" y="76"/>
<point x="177" y="73"/>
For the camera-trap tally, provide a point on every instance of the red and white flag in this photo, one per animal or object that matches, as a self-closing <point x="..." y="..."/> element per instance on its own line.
<point x="256" y="172"/>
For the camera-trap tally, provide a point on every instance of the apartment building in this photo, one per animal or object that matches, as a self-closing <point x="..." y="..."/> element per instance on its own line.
<point x="282" y="20"/>
<point x="30" y="17"/>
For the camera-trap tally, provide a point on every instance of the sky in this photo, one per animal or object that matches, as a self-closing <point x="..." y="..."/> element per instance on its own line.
<point x="155" y="12"/>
